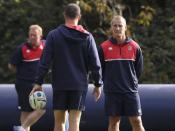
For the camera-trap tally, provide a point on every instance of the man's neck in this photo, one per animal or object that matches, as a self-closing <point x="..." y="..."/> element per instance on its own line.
<point x="35" y="45"/>
<point x="120" y="39"/>
<point x="69" y="22"/>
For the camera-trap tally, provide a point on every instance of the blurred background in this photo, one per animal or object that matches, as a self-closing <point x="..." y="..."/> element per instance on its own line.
<point x="150" y="22"/>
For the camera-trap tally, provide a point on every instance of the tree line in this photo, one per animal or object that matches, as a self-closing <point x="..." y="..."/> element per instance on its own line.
<point x="150" y="22"/>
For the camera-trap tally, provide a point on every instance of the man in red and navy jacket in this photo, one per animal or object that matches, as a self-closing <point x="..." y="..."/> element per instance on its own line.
<point x="122" y="63"/>
<point x="24" y="62"/>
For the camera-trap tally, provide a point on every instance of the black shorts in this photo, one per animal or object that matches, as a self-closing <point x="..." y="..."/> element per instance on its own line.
<point x="23" y="90"/>
<point x="117" y="104"/>
<point x="69" y="100"/>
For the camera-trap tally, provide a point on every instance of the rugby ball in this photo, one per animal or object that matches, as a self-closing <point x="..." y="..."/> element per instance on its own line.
<point x="38" y="100"/>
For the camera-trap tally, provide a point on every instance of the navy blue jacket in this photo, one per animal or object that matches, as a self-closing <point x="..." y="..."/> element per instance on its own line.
<point x="72" y="53"/>
<point x="26" y="59"/>
<point x="122" y="65"/>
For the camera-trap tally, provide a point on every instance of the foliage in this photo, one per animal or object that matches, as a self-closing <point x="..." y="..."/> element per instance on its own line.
<point x="150" y="23"/>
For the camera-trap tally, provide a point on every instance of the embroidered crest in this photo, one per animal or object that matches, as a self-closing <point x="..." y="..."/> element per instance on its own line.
<point x="129" y="48"/>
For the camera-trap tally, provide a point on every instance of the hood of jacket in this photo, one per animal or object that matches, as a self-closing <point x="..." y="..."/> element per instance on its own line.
<point x="74" y="33"/>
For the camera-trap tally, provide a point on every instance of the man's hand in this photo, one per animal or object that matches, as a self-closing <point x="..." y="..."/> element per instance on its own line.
<point x="12" y="68"/>
<point x="36" y="87"/>
<point x="97" y="93"/>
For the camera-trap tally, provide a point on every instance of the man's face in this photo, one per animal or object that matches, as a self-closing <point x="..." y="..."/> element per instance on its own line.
<point x="34" y="37"/>
<point x="118" y="28"/>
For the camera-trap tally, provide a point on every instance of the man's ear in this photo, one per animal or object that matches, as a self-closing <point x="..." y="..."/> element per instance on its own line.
<point x="41" y="36"/>
<point x="79" y="17"/>
<point x="126" y="28"/>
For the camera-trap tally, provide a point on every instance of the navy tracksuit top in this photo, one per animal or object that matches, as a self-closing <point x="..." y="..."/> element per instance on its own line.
<point x="26" y="60"/>
<point x="122" y="64"/>
<point x="72" y="53"/>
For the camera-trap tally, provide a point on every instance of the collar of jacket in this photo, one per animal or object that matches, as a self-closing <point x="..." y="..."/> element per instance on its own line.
<point x="114" y="41"/>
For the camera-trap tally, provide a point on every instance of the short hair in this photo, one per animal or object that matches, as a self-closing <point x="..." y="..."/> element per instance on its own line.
<point x="36" y="27"/>
<point x="72" y="11"/>
<point x="118" y="17"/>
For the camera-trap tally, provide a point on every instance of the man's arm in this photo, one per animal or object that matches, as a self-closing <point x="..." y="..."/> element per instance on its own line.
<point x="44" y="64"/>
<point x="15" y="59"/>
<point x="139" y="62"/>
<point x="94" y="62"/>
<point x="45" y="60"/>
<point x="101" y="56"/>
<point x="95" y="67"/>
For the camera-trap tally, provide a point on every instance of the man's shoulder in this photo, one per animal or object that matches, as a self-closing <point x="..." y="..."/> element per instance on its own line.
<point x="134" y="43"/>
<point x="105" y="43"/>
<point x="54" y="30"/>
<point x="20" y="46"/>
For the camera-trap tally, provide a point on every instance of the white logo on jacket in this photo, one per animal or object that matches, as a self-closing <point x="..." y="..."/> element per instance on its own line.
<point x="129" y="48"/>
<point x="110" y="48"/>
<point x="28" y="51"/>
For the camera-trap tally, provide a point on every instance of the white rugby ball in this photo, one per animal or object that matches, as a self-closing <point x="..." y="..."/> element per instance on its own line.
<point x="38" y="100"/>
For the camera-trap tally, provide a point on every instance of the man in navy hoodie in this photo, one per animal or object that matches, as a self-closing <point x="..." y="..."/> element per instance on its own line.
<point x="71" y="51"/>
<point x="122" y="63"/>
